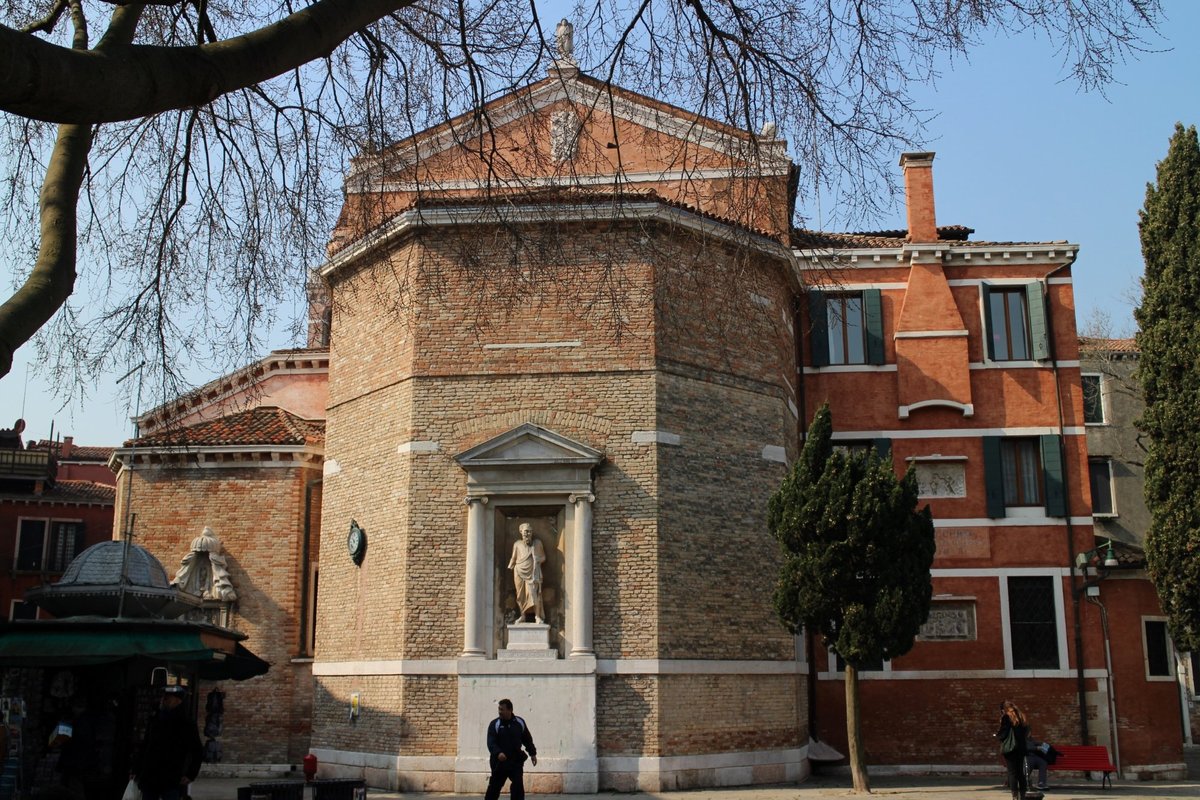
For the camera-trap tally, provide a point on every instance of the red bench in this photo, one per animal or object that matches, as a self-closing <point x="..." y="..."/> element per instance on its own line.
<point x="1084" y="758"/>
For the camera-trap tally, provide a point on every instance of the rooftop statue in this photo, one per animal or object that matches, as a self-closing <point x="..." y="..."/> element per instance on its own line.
<point x="564" y="39"/>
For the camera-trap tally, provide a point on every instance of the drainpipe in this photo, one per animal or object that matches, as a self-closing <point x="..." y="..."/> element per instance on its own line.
<point x="305" y="572"/>
<point x="1076" y="591"/>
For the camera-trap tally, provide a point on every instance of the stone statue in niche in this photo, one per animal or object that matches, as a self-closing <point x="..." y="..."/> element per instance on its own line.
<point x="526" y="564"/>
<point x="204" y="571"/>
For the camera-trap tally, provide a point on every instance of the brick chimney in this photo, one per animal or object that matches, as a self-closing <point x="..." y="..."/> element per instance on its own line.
<point x="68" y="444"/>
<point x="918" y="196"/>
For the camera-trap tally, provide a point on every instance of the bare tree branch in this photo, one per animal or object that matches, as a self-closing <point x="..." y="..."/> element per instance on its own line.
<point x="43" y="81"/>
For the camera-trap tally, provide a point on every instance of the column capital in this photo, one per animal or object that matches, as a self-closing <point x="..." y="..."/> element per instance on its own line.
<point x="588" y="496"/>
<point x="482" y="500"/>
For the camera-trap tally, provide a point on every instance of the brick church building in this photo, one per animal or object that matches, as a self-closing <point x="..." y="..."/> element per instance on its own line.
<point x="587" y="311"/>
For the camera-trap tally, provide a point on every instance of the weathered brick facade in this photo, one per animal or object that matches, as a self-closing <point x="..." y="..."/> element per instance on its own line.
<point x="257" y="512"/>
<point x="682" y="562"/>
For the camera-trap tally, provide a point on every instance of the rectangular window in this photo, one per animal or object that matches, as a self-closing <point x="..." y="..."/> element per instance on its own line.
<point x="1093" y="399"/>
<point x="47" y="545"/>
<point x="66" y="539"/>
<point x="1024" y="473"/>
<point x="1015" y="317"/>
<point x="858" y="447"/>
<point x="1159" y="661"/>
<point x="1010" y="325"/>
<point x="22" y="610"/>
<point x="1195" y="662"/>
<point x="31" y="545"/>
<point x="1022" y="470"/>
<point x="1100" y="474"/>
<point x="1033" y="623"/>
<point x="839" y="665"/>
<point x="847" y="327"/>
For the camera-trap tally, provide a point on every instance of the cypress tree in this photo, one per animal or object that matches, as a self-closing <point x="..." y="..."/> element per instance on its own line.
<point x="1169" y="373"/>
<point x="856" y="556"/>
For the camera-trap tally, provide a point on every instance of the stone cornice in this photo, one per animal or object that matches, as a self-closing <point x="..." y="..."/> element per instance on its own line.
<point x="947" y="252"/>
<point x="614" y="210"/>
<point x="219" y="456"/>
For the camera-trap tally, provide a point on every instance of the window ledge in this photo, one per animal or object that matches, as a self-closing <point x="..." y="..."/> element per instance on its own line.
<point x="1103" y="424"/>
<point x="1025" y="512"/>
<point x="1113" y="515"/>
<point x="933" y="457"/>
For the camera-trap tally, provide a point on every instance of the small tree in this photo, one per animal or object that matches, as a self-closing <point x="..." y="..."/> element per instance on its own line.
<point x="856" y="559"/>
<point x="1169" y="340"/>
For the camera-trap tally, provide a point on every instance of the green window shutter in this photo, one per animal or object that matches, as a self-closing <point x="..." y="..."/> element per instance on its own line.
<point x="873" y="312"/>
<point x="993" y="475"/>
<point x="1039" y="331"/>
<point x="1052" y="472"/>
<point x="986" y="299"/>
<point x="818" y="330"/>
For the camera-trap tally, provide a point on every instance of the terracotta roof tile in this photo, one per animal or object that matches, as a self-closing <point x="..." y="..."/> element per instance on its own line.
<point x="951" y="235"/>
<point x="68" y="492"/>
<point x="266" y="425"/>
<point x="1098" y="344"/>
<point x="78" y="452"/>
<point x="83" y="491"/>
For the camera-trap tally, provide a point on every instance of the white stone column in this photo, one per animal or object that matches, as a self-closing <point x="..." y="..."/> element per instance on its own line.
<point x="476" y="578"/>
<point x="581" y="577"/>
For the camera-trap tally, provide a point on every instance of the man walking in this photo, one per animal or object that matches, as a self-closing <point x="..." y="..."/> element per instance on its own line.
<point x="171" y="752"/>
<point x="505" y="736"/>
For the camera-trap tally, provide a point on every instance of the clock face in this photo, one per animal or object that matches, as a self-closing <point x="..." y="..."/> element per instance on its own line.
<point x="356" y="542"/>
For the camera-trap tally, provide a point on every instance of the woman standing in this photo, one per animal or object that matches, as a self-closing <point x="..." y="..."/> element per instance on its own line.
<point x="1012" y="734"/>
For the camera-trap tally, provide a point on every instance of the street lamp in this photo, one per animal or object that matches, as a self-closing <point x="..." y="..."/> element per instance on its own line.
<point x="1084" y="559"/>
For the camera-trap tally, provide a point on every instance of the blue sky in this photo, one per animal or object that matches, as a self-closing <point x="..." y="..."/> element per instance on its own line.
<point x="1022" y="154"/>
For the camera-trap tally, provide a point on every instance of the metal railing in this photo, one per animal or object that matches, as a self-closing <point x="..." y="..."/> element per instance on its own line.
<point x="26" y="464"/>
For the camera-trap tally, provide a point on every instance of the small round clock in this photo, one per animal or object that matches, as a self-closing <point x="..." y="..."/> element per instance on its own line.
<point x="356" y="542"/>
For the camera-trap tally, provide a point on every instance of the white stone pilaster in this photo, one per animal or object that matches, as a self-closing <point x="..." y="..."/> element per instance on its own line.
<point x="476" y="578"/>
<point x="581" y="577"/>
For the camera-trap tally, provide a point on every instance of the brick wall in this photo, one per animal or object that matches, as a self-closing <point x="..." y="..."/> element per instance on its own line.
<point x="679" y="539"/>
<point x="257" y="513"/>
<point x="405" y="715"/>
<point x="728" y="713"/>
<point x="628" y="722"/>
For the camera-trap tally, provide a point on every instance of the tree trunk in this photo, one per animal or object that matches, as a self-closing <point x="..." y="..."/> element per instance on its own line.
<point x="52" y="279"/>
<point x="858" y="766"/>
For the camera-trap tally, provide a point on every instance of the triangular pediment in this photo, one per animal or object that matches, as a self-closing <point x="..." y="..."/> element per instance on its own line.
<point x="610" y="115"/>
<point x="568" y="133"/>
<point x="528" y="445"/>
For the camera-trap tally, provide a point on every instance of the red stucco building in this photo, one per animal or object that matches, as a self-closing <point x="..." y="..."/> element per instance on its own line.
<point x="961" y="359"/>
<point x="56" y="500"/>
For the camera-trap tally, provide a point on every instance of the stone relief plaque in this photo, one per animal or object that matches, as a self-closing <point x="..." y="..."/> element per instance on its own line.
<point x="564" y="135"/>
<point x="942" y="479"/>
<point x="949" y="620"/>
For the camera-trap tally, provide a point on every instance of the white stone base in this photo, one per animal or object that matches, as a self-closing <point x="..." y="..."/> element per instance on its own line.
<point x="469" y="774"/>
<point x="528" y="640"/>
<point x="671" y="773"/>
<point x="556" y="698"/>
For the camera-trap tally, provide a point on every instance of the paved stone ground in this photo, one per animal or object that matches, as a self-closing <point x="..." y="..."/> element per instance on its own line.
<point x="816" y="788"/>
